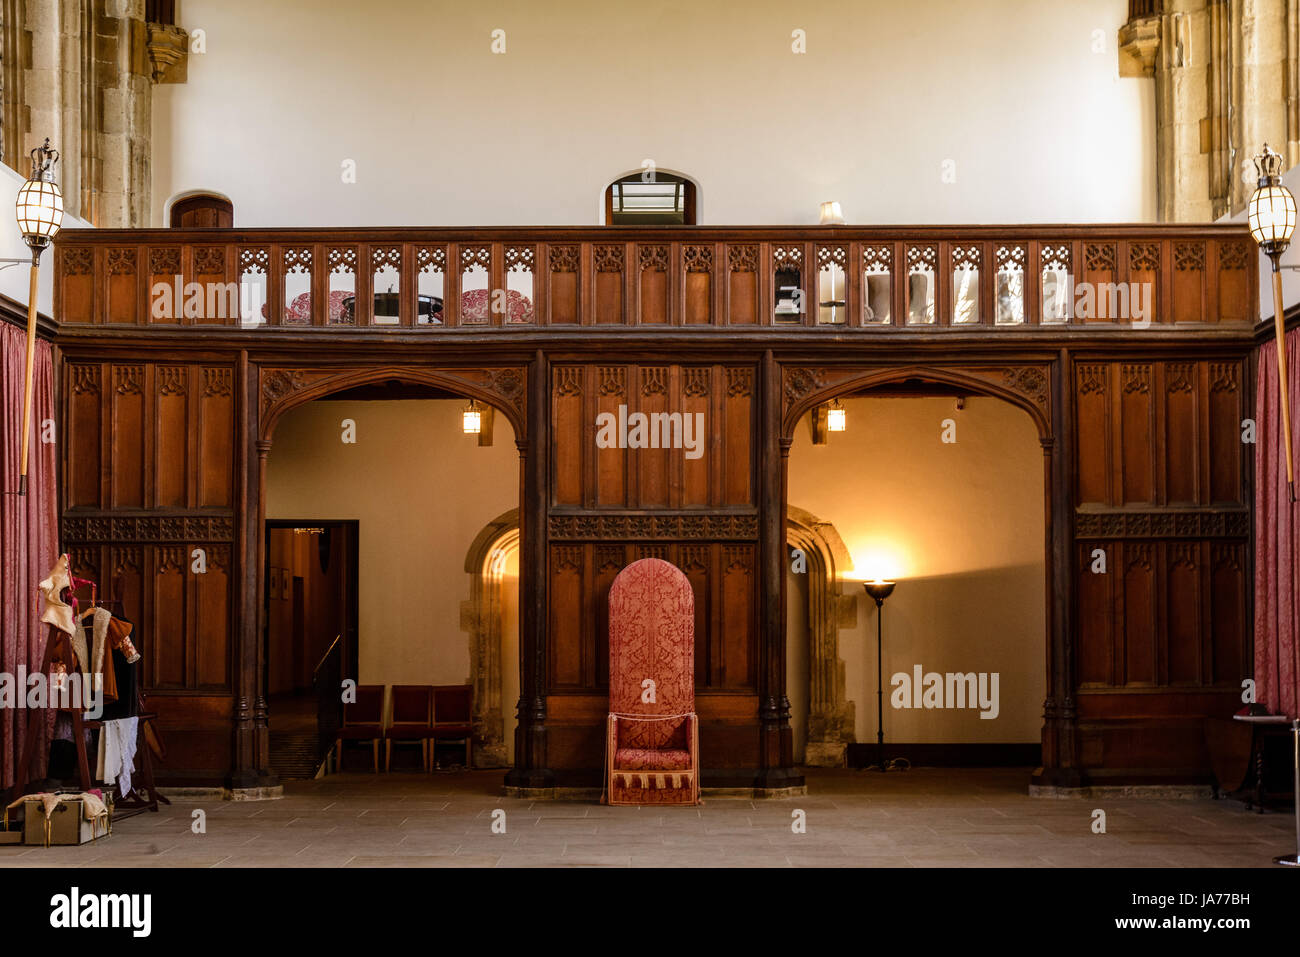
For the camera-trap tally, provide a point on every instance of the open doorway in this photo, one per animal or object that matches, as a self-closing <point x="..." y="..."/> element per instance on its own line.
<point x="310" y="593"/>
<point x="425" y="477"/>
<point x="942" y="491"/>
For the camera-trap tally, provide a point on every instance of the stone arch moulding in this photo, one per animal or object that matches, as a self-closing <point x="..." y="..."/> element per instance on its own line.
<point x="1027" y="386"/>
<point x="482" y="617"/>
<point x="830" y="714"/>
<point x="281" y="389"/>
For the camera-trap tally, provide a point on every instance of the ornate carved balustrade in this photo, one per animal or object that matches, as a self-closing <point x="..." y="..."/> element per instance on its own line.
<point x="797" y="278"/>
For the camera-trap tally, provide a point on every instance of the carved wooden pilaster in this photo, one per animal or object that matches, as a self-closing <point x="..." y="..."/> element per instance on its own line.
<point x="776" y="739"/>
<point x="251" y="767"/>
<point x="531" y="770"/>
<point x="1060" y="717"/>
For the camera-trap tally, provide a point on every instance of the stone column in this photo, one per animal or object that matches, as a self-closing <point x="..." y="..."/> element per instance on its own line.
<point x="119" y="150"/>
<point x="82" y="72"/>
<point x="1226" y="81"/>
<point x="51" y="89"/>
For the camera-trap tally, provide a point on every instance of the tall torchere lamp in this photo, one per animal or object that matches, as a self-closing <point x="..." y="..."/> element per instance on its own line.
<point x="40" y="214"/>
<point x="1272" y="214"/>
<point x="879" y="591"/>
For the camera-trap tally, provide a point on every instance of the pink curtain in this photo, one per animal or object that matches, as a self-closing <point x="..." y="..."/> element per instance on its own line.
<point x="28" y="536"/>
<point x="1277" y="538"/>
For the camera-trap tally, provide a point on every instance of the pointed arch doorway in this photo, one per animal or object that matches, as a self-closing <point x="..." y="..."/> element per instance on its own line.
<point x="402" y="562"/>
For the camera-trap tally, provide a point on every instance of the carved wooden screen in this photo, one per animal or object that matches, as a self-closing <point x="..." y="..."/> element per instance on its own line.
<point x="694" y="507"/>
<point x="1162" y="532"/>
<point x="148" y="501"/>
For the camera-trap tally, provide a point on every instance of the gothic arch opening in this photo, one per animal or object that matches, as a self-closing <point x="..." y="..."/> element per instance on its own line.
<point x="392" y="456"/>
<point x="938" y="483"/>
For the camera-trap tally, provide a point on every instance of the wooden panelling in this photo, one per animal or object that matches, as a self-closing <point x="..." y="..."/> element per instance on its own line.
<point x="149" y="436"/>
<point x="1141" y="428"/>
<point x="723" y="578"/>
<point x="1162" y="524"/>
<point x="148" y="514"/>
<point x="1162" y="535"/>
<point x="716" y="472"/>
<point x="1160" y="433"/>
<point x="1163" y="613"/>
<point x="181" y="614"/>
<point x="660" y="277"/>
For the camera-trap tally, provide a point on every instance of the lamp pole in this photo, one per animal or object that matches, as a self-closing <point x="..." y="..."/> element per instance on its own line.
<point x="1272" y="216"/>
<point x="39" y="209"/>
<point x="879" y="591"/>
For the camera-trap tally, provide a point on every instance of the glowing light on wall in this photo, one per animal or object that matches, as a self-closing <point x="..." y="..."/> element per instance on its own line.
<point x="878" y="562"/>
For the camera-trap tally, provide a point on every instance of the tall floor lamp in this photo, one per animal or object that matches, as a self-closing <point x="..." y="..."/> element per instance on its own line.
<point x="879" y="591"/>
<point x="39" y="209"/>
<point x="1272" y="214"/>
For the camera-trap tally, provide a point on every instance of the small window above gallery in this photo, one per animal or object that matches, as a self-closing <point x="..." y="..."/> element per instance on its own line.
<point x="651" y="198"/>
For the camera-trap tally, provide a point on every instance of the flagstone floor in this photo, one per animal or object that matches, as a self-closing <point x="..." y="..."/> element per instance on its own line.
<point x="920" y="818"/>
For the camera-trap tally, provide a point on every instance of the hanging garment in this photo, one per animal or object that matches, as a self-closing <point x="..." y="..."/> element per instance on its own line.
<point x="117" y="753"/>
<point x="124" y="656"/>
<point x="109" y="633"/>
<point x="57" y="612"/>
<point x="81" y="648"/>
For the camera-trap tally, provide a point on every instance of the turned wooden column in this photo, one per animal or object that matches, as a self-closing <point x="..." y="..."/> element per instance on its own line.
<point x="251" y="747"/>
<point x="776" y="740"/>
<point x="530" y="768"/>
<point x="1060" y="716"/>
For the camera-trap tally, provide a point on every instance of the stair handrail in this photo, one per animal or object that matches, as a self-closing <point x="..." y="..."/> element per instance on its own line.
<point x="315" y="671"/>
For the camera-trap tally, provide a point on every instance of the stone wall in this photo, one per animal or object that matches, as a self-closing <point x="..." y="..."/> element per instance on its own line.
<point x="1227" y="76"/>
<point x="82" y="72"/>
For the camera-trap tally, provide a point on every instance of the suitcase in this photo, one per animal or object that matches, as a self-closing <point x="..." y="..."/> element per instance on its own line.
<point x="67" y="825"/>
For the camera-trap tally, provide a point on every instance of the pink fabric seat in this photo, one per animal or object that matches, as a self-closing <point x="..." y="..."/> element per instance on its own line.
<point x="641" y="759"/>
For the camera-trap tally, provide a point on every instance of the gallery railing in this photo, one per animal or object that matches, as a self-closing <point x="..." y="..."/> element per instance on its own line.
<point x="439" y="280"/>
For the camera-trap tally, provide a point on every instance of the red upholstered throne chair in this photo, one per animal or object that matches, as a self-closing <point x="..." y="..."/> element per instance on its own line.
<point x="652" y="742"/>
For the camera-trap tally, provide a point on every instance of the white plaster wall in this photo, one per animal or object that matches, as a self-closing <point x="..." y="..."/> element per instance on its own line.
<point x="1024" y="97"/>
<point x="961" y="528"/>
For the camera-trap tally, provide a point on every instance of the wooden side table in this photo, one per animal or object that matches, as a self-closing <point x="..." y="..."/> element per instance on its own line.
<point x="1239" y="748"/>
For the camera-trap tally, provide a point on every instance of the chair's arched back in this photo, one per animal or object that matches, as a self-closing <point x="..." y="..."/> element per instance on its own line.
<point x="651" y="636"/>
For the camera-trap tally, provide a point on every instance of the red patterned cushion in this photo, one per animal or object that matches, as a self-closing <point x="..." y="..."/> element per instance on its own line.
<point x="637" y="759"/>
<point x="651" y="638"/>
<point x="298" y="312"/>
<point x="476" y="304"/>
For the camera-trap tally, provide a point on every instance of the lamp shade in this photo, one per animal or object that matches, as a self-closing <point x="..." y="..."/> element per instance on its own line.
<point x="832" y="215"/>
<point x="879" y="590"/>
<point x="1272" y="209"/>
<point x="1272" y="216"/>
<point x="472" y="420"/>
<point x="836" y="418"/>
<point x="39" y="207"/>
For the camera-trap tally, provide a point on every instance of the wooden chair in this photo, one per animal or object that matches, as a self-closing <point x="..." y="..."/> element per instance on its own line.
<point x="652" y="747"/>
<point x="410" y="719"/>
<point x="362" y="721"/>
<point x="453" y="717"/>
